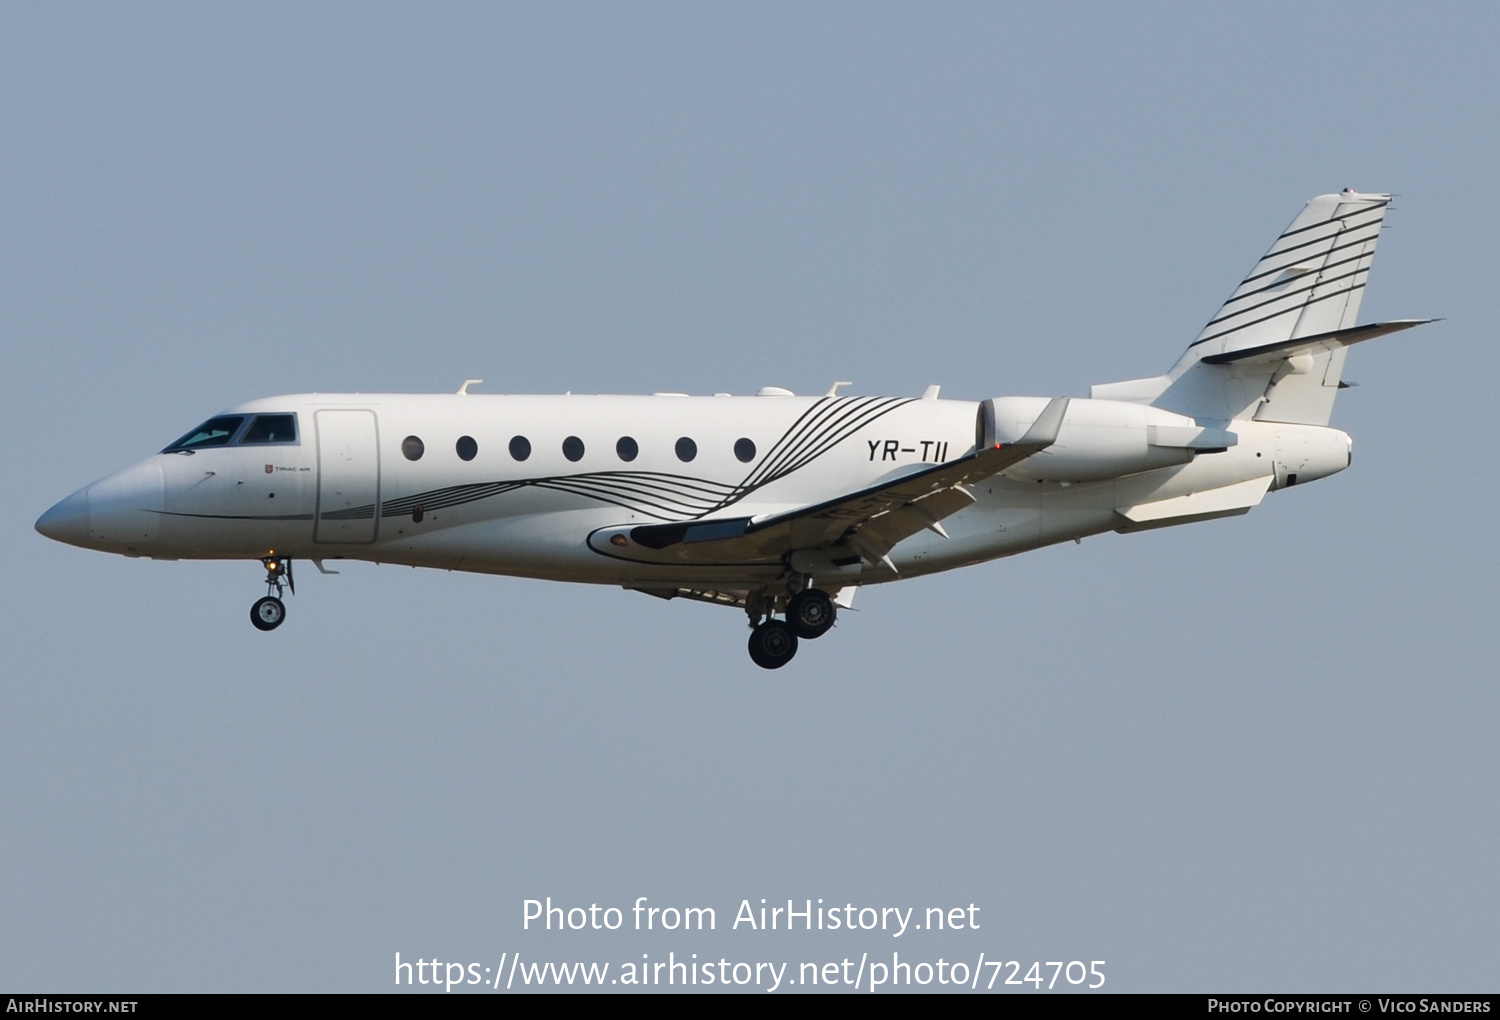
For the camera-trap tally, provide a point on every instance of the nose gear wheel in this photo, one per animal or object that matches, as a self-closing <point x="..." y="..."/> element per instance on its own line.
<point x="268" y="613"/>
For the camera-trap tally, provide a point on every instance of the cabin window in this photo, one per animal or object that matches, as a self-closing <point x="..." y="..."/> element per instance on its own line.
<point x="686" y="449"/>
<point x="744" y="449"/>
<point x="214" y="432"/>
<point x="573" y="448"/>
<point x="466" y="447"/>
<point x="627" y="448"/>
<point x="412" y="448"/>
<point x="520" y="447"/>
<point x="271" y="428"/>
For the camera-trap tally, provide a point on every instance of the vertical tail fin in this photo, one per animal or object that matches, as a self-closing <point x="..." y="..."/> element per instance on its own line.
<point x="1309" y="283"/>
<point x="1311" y="280"/>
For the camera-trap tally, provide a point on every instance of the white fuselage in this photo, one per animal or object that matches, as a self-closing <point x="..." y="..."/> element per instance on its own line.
<point x="348" y="486"/>
<point x="776" y="504"/>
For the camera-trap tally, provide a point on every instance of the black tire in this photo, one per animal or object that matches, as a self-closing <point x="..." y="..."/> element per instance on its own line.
<point x="267" y="613"/>
<point x="772" y="644"/>
<point x="811" y="613"/>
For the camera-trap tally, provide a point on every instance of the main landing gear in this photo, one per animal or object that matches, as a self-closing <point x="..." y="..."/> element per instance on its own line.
<point x="809" y="614"/>
<point x="267" y="613"/>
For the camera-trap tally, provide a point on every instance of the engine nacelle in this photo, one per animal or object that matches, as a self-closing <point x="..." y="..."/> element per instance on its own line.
<point x="1099" y="438"/>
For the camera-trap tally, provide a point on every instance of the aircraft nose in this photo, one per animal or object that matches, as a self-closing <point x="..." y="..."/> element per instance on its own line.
<point x="68" y="521"/>
<point x="121" y="513"/>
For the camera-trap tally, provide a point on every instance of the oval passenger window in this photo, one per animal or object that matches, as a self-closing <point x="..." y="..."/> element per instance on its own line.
<point x="744" y="449"/>
<point x="520" y="447"/>
<point x="466" y="447"/>
<point x="627" y="448"/>
<point x="686" y="449"/>
<point x="412" y="448"/>
<point x="573" y="448"/>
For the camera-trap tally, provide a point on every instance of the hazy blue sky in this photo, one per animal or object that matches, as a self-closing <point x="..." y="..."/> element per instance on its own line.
<point x="1249" y="754"/>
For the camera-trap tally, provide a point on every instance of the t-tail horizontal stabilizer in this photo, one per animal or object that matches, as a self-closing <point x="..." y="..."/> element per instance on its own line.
<point x="1320" y="343"/>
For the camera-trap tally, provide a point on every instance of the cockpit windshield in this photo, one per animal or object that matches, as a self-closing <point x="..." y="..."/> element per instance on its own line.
<point x="214" y="432"/>
<point x="263" y="430"/>
<point x="272" y="428"/>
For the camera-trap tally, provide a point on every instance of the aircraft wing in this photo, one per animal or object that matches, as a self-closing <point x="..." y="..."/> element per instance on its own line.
<point x="858" y="525"/>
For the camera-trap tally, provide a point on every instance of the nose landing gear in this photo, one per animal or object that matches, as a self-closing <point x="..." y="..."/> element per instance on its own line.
<point x="268" y="612"/>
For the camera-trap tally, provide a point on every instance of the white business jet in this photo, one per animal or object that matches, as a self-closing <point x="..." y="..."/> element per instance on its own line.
<point x="777" y="504"/>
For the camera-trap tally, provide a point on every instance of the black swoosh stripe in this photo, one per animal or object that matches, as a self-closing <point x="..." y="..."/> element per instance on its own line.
<point x="647" y="487"/>
<point x="849" y="420"/>
<point x="807" y="425"/>
<point x="846" y="427"/>
<point x="831" y="412"/>
<point x="354" y="513"/>
<point x="438" y="499"/>
<point x="670" y="483"/>
<point x="650" y="489"/>
<point x="631" y="506"/>
<point x="677" y="500"/>
<point x="665" y="509"/>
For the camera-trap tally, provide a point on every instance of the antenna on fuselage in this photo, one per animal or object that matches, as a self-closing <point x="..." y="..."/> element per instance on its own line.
<point x="463" y="391"/>
<point x="833" y="390"/>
